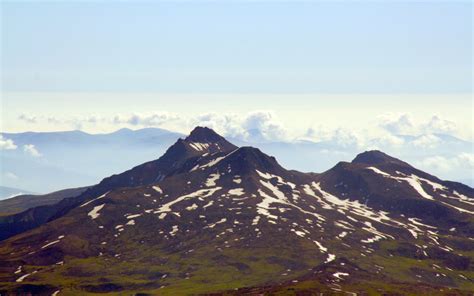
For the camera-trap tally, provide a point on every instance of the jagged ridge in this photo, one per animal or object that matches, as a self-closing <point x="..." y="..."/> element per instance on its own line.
<point x="236" y="213"/>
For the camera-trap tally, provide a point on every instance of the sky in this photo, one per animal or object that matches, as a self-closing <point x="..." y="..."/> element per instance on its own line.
<point x="301" y="66"/>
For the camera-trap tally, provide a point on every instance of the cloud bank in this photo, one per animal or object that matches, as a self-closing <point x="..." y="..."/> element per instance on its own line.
<point x="430" y="143"/>
<point x="446" y="163"/>
<point x="404" y="124"/>
<point x="264" y="125"/>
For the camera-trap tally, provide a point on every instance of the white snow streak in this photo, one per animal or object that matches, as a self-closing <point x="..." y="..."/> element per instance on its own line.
<point x="95" y="211"/>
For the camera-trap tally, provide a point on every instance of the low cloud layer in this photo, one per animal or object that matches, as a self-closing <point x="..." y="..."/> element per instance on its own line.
<point x="145" y="120"/>
<point x="254" y="126"/>
<point x="430" y="144"/>
<point x="404" y="124"/>
<point x="446" y="163"/>
<point x="264" y="125"/>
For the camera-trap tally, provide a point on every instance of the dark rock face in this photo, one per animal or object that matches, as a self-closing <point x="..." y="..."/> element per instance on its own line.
<point x="207" y="212"/>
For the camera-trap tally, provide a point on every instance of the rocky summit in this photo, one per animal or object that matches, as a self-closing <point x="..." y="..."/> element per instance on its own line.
<point x="211" y="218"/>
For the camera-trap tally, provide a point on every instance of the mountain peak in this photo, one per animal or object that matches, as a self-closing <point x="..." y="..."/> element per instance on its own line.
<point x="249" y="159"/>
<point x="376" y="157"/>
<point x="204" y="139"/>
<point x="203" y="134"/>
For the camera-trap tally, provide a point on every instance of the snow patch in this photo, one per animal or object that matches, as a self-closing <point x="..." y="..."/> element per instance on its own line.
<point x="193" y="207"/>
<point x="133" y="216"/>
<point x="90" y="201"/>
<point x="331" y="257"/>
<point x="199" y="146"/>
<point x="174" y="230"/>
<point x="342" y="234"/>
<point x="339" y="274"/>
<point x="157" y="189"/>
<point x="23" y="277"/>
<point x="237" y="191"/>
<point x="218" y="222"/>
<point x="95" y="211"/>
<point x="211" y="180"/>
<point x="199" y="193"/>
<point x="50" y="244"/>
<point x="209" y="164"/>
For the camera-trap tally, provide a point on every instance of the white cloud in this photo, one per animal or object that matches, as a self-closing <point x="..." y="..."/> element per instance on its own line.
<point x="226" y="124"/>
<point x="11" y="176"/>
<point x="437" y="162"/>
<point x="147" y="120"/>
<point x="261" y="125"/>
<point x="6" y="144"/>
<point x="342" y="137"/>
<point x="150" y="119"/>
<point x="426" y="141"/>
<point x="398" y="124"/>
<point x="466" y="160"/>
<point x="28" y="118"/>
<point x="31" y="150"/>
<point x="443" y="163"/>
<point x="256" y="126"/>
<point x="75" y="122"/>
<point x="405" y="124"/>
<point x="346" y="137"/>
<point x="382" y="141"/>
<point x="264" y="125"/>
<point x="439" y="125"/>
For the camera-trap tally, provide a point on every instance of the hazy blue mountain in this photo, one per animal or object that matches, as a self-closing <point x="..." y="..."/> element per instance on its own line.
<point x="7" y="192"/>
<point x="20" y="203"/>
<point x="75" y="158"/>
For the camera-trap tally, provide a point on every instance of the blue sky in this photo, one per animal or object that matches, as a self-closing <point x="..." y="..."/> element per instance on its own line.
<point x="238" y="47"/>
<point x="310" y="64"/>
<point x="354" y="73"/>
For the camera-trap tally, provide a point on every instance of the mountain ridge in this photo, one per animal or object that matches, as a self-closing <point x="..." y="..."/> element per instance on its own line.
<point x="222" y="214"/>
<point x="58" y="166"/>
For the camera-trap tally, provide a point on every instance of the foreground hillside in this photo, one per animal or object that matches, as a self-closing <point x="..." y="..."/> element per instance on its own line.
<point x="209" y="217"/>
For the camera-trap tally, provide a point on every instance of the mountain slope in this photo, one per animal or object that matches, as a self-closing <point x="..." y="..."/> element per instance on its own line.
<point x="211" y="217"/>
<point x="195" y="145"/>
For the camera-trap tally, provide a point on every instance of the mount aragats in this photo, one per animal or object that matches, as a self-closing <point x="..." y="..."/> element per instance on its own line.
<point x="211" y="218"/>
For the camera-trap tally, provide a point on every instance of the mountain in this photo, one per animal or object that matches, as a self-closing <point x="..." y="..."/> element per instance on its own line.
<point x="62" y="162"/>
<point x="210" y="217"/>
<point x="445" y="156"/>
<point x="24" y="202"/>
<point x="8" y="192"/>
<point x="194" y="146"/>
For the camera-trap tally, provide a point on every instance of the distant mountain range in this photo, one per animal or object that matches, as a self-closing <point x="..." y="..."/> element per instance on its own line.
<point x="75" y="159"/>
<point x="22" y="202"/>
<point x="9" y="192"/>
<point x="209" y="217"/>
